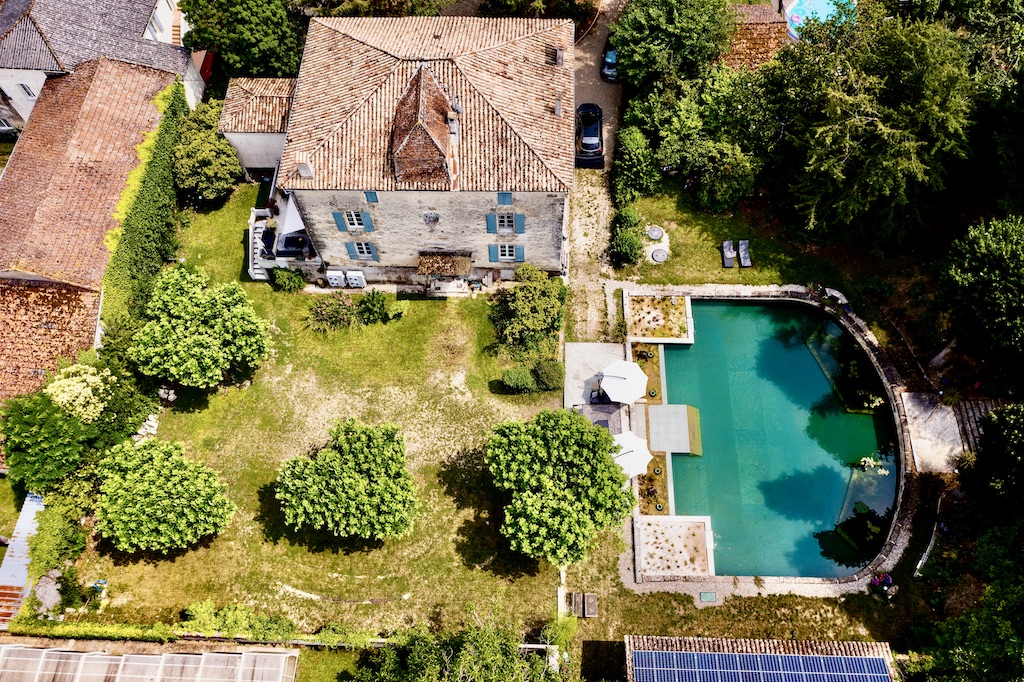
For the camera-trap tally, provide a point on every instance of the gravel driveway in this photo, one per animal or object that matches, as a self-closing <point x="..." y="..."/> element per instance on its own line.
<point x="589" y="86"/>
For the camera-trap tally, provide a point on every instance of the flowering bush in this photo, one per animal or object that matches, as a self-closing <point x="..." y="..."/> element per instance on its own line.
<point x="82" y="391"/>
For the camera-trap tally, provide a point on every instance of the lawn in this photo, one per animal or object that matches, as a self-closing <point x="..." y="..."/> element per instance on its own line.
<point x="430" y="372"/>
<point x="10" y="507"/>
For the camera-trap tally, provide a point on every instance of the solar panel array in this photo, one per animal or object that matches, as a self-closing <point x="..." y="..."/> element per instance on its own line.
<point x="684" y="666"/>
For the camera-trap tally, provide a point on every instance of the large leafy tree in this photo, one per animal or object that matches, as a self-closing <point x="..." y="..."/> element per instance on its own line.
<point x="252" y="37"/>
<point x="152" y="498"/>
<point x="197" y="334"/>
<point x="205" y="163"/>
<point x="667" y="40"/>
<point x="984" y="281"/>
<point x="42" y="443"/>
<point x="356" y="486"/>
<point x="565" y="487"/>
<point x="997" y="472"/>
<point x="894" y="117"/>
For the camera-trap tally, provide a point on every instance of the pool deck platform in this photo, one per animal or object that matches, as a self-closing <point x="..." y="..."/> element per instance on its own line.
<point x="583" y="361"/>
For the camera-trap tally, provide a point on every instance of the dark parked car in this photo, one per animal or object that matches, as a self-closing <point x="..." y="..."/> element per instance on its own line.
<point x="609" y="71"/>
<point x="589" y="136"/>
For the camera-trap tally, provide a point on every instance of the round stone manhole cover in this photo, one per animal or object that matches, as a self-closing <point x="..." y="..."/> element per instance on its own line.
<point x="655" y="232"/>
<point x="659" y="255"/>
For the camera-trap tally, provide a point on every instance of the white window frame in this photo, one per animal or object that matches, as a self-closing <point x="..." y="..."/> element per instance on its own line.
<point x="354" y="221"/>
<point x="506" y="223"/>
<point x="363" y="251"/>
<point x="27" y="90"/>
<point x="506" y="253"/>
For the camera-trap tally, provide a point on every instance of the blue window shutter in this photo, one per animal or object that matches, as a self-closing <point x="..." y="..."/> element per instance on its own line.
<point x="339" y="220"/>
<point x="492" y="252"/>
<point x="373" y="252"/>
<point x="520" y="223"/>
<point x="492" y="223"/>
<point x="351" y="247"/>
<point x="520" y="253"/>
<point x="371" y="197"/>
<point x="504" y="198"/>
<point x="367" y="222"/>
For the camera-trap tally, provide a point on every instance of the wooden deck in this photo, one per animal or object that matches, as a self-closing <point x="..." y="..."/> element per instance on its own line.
<point x="969" y="416"/>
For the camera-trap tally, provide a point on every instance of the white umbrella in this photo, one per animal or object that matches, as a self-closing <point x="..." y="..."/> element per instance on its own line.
<point x="623" y="382"/>
<point x="634" y="455"/>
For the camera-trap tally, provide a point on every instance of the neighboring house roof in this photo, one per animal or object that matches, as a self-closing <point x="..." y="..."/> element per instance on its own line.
<point x="758" y="14"/>
<point x="66" y="174"/>
<point x="57" y="35"/>
<point x="257" y="105"/>
<point x="500" y="72"/>
<point x="760" y="34"/>
<point x="42" y="321"/>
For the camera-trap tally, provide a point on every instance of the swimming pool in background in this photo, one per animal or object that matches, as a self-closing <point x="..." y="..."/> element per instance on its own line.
<point x="777" y="471"/>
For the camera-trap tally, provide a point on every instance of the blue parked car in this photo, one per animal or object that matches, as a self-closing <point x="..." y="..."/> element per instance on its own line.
<point x="608" y="64"/>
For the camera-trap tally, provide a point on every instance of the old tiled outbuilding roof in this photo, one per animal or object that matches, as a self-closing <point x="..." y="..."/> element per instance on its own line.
<point x="42" y="321"/>
<point x="58" y="35"/>
<point x="502" y="74"/>
<point x="760" y="33"/>
<point x="257" y="105"/>
<point x="445" y="263"/>
<point x="65" y="177"/>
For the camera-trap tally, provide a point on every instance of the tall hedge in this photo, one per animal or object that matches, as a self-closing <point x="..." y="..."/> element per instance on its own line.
<point x="147" y="239"/>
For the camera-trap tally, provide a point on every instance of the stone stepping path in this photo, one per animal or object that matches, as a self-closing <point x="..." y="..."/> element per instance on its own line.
<point x="14" y="569"/>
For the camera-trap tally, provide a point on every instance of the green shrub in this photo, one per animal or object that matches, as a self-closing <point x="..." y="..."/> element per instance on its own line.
<point x="728" y="176"/>
<point x="205" y="163"/>
<point x="519" y="380"/>
<point x="627" y="219"/>
<point x="527" y="317"/>
<point x="42" y="442"/>
<point x="561" y="631"/>
<point x="373" y="307"/>
<point x="28" y="625"/>
<point x="627" y="248"/>
<point x="635" y="173"/>
<point x="285" y="279"/>
<point x="235" y="620"/>
<point x="57" y="539"/>
<point x="81" y="390"/>
<point x="328" y="313"/>
<point x="147" y="234"/>
<point x="550" y="375"/>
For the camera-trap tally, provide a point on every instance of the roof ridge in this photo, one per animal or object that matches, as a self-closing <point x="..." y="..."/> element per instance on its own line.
<point x="506" y="42"/>
<point x="508" y="123"/>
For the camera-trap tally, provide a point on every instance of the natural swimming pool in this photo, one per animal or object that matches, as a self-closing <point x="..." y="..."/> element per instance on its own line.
<point x="781" y="458"/>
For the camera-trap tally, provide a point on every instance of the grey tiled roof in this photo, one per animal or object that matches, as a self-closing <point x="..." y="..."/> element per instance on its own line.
<point x="57" y="35"/>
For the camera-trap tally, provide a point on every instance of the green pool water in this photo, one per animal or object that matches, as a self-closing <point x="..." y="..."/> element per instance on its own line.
<point x="778" y="444"/>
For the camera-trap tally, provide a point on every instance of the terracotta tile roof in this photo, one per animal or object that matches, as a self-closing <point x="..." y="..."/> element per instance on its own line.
<point x="67" y="172"/>
<point x="420" y="140"/>
<point x="758" y="14"/>
<point x="57" y="35"/>
<point x="755" y="646"/>
<point x="760" y="34"/>
<point x="501" y="72"/>
<point x="257" y="105"/>
<point x="42" y="321"/>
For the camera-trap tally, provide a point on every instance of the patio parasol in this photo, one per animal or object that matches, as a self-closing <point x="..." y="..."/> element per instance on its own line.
<point x="623" y="382"/>
<point x="634" y="455"/>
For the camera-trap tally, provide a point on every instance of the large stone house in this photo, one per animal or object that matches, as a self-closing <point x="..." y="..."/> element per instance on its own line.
<point x="43" y="38"/>
<point x="416" y="150"/>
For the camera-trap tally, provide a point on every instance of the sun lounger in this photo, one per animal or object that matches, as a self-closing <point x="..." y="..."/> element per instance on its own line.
<point x="745" y="253"/>
<point x="728" y="254"/>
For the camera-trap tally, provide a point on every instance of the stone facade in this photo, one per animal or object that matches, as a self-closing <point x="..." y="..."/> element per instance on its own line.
<point x="406" y="223"/>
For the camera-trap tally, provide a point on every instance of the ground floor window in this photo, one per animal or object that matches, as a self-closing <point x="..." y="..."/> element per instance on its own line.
<point x="507" y="252"/>
<point x="364" y="250"/>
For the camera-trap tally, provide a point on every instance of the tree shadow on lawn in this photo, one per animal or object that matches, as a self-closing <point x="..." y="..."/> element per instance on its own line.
<point x="276" y="529"/>
<point x="466" y="479"/>
<point x="118" y="557"/>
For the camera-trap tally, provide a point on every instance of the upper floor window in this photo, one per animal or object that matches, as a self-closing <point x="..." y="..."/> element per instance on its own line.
<point x="27" y="90"/>
<point x="354" y="220"/>
<point x="506" y="223"/>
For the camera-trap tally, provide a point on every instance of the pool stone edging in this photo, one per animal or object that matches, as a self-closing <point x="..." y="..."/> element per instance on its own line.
<point x="906" y="489"/>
